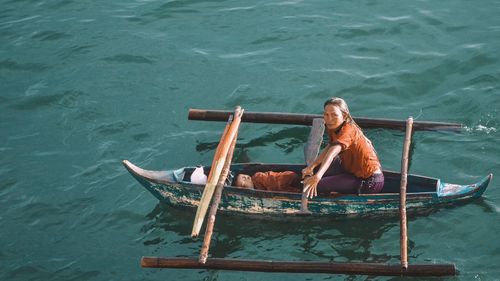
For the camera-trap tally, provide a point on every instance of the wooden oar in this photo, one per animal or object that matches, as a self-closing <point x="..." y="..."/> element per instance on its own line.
<point x="306" y="119"/>
<point x="219" y="146"/>
<point x="402" y="195"/>
<point x="311" y="151"/>
<point x="215" y="204"/>
<point x="215" y="172"/>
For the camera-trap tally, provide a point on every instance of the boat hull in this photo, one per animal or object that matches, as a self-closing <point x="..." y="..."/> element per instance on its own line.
<point x="170" y="188"/>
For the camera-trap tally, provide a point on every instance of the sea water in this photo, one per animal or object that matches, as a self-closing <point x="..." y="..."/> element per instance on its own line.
<point x="85" y="84"/>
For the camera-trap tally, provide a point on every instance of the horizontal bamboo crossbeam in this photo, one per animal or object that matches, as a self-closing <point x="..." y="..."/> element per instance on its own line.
<point x="307" y="119"/>
<point x="374" y="269"/>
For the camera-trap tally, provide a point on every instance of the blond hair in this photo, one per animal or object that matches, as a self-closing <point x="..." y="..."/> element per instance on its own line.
<point x="342" y="105"/>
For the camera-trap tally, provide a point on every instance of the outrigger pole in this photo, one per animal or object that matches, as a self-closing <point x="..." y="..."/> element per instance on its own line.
<point x="307" y="120"/>
<point x="373" y="269"/>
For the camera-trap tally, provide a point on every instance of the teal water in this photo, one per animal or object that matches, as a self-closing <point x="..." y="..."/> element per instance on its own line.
<point x="85" y="84"/>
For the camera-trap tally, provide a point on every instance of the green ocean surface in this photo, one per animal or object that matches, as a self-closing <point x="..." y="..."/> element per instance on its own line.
<point x="85" y="84"/>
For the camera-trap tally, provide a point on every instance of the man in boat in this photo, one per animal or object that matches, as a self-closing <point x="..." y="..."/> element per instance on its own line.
<point x="287" y="181"/>
<point x="349" y="163"/>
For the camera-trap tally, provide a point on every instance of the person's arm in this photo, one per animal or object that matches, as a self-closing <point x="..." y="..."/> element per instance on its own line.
<point x="309" y="170"/>
<point x="311" y="183"/>
<point x="321" y="156"/>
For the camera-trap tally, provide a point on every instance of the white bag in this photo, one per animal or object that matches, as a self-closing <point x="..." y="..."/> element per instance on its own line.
<point x="198" y="176"/>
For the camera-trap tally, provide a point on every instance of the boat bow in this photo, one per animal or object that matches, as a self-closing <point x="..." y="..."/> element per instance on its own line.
<point x="457" y="190"/>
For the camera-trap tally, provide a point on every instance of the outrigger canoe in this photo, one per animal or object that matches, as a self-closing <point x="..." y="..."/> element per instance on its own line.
<point x="174" y="188"/>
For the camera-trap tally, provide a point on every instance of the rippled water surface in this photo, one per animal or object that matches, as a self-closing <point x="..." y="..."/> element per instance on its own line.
<point x="85" y="84"/>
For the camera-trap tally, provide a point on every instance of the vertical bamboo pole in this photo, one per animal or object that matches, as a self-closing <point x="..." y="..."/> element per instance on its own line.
<point x="402" y="195"/>
<point x="215" y="204"/>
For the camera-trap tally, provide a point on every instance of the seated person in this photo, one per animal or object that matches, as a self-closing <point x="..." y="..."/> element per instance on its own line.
<point x="287" y="181"/>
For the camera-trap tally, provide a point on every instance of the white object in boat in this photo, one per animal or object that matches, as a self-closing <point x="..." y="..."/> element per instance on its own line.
<point x="198" y="176"/>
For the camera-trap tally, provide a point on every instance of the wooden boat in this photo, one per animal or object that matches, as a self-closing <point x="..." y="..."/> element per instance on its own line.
<point x="424" y="193"/>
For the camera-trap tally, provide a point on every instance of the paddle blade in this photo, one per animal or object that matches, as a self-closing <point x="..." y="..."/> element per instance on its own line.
<point x="314" y="140"/>
<point x="202" y="208"/>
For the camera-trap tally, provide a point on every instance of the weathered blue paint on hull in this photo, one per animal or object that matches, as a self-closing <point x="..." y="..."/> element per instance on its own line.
<point x="168" y="188"/>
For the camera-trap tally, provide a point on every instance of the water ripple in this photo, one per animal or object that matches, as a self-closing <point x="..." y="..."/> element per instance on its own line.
<point x="272" y="39"/>
<point x="400" y="18"/>
<point x="237" y="9"/>
<point x="35" y="100"/>
<point x="201" y="51"/>
<point x="19" y="20"/>
<point x="285" y="3"/>
<point x="51" y="35"/>
<point x="473" y="46"/>
<point x="68" y="52"/>
<point x="9" y="64"/>
<point x="355" y="32"/>
<point x="126" y="58"/>
<point x="361" y="57"/>
<point x="427" y="54"/>
<point x="116" y="127"/>
<point x="361" y="74"/>
<point x="249" y="54"/>
<point x="310" y="17"/>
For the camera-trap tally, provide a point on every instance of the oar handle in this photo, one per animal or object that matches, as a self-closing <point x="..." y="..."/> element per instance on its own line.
<point x="304" y="201"/>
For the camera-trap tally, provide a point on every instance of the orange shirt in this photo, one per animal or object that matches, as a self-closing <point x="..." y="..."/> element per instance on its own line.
<point x="277" y="181"/>
<point x="358" y="156"/>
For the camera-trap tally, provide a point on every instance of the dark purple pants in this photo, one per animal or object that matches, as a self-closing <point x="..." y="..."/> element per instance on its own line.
<point x="336" y="179"/>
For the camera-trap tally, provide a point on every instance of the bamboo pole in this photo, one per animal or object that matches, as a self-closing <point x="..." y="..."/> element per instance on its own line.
<point x="215" y="172"/>
<point x="402" y="195"/>
<point x="307" y="119"/>
<point x="219" y="146"/>
<point x="374" y="269"/>
<point x="215" y="204"/>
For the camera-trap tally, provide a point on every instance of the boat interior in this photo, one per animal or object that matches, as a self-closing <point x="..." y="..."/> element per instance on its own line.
<point x="416" y="184"/>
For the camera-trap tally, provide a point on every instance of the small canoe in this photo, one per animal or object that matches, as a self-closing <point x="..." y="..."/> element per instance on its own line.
<point x="423" y="193"/>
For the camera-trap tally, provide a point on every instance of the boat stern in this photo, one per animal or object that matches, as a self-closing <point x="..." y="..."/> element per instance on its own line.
<point x="170" y="176"/>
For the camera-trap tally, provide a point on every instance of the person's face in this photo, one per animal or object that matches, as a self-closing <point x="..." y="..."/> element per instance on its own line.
<point x="333" y="116"/>
<point x="244" y="181"/>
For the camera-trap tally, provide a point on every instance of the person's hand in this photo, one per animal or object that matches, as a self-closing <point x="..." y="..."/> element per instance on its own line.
<point x="310" y="186"/>
<point x="307" y="171"/>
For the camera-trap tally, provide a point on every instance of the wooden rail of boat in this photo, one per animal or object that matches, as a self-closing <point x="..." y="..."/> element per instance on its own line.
<point x="307" y="119"/>
<point x="375" y="269"/>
